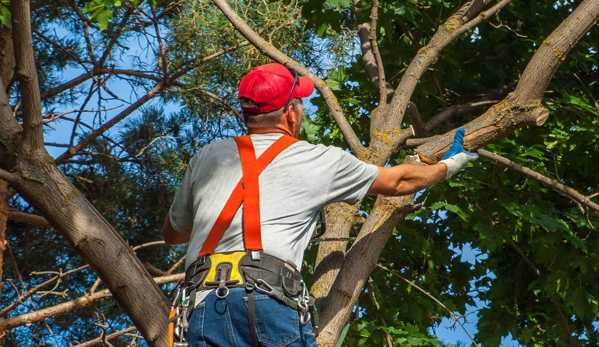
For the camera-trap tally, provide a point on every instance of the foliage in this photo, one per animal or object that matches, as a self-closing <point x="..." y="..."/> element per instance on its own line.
<point x="536" y="251"/>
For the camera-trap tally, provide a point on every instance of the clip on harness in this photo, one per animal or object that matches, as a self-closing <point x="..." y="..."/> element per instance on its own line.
<point x="177" y="319"/>
<point x="250" y="269"/>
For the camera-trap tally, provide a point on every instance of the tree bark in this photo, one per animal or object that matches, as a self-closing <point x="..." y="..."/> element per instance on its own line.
<point x="4" y="197"/>
<point x="340" y="219"/>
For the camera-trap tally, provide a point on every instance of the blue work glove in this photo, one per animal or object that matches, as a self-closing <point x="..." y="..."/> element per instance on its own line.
<point x="456" y="157"/>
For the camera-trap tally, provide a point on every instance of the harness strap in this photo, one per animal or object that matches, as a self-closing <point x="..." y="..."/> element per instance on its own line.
<point x="247" y="192"/>
<point x="252" y="316"/>
<point x="251" y="194"/>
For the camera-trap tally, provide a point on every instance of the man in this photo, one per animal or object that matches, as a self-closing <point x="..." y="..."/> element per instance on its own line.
<point x="248" y="207"/>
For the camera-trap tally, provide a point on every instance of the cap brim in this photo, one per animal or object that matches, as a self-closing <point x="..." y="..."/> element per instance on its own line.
<point x="304" y="88"/>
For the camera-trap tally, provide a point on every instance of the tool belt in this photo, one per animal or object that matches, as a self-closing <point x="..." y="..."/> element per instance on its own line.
<point x="252" y="270"/>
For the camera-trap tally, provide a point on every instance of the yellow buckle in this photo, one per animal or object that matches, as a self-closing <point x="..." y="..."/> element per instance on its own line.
<point x="219" y="258"/>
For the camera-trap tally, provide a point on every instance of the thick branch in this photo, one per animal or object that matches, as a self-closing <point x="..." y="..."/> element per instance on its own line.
<point x="271" y="52"/>
<point x="382" y="82"/>
<point x="554" y="50"/>
<point x="368" y="58"/>
<point x="27" y="77"/>
<point x="359" y="262"/>
<point x="8" y="177"/>
<point x="28" y="218"/>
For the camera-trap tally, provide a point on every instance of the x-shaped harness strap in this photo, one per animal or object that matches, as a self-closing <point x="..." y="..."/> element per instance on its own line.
<point x="247" y="192"/>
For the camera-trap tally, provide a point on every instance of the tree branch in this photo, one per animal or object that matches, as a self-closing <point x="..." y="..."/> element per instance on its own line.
<point x="60" y="47"/>
<point x="68" y="306"/>
<point x="86" y="35"/>
<point x="393" y="117"/>
<point x="149" y="95"/>
<point x="573" y="194"/>
<point x="28" y="218"/>
<point x="456" y="109"/>
<point x="520" y="108"/>
<point x="554" y="50"/>
<point x="103" y="339"/>
<point x="370" y="67"/>
<point x="382" y="82"/>
<point x="451" y="314"/>
<point x="8" y="176"/>
<point x="33" y="140"/>
<point x="37" y="288"/>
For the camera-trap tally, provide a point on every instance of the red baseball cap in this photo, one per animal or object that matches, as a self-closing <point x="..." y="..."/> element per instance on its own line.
<point x="269" y="86"/>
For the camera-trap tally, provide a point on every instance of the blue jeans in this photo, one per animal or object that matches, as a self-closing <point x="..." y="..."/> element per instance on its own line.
<point x="224" y="322"/>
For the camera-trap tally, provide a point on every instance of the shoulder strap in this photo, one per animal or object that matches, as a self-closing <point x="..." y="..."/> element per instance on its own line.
<point x="246" y="191"/>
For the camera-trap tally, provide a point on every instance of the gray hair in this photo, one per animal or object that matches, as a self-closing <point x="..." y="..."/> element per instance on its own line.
<point x="265" y="120"/>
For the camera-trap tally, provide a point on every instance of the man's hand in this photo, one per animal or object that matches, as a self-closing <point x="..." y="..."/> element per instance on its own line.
<point x="456" y="157"/>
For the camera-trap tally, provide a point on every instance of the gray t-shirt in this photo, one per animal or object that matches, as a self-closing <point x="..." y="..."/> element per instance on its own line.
<point x="293" y="188"/>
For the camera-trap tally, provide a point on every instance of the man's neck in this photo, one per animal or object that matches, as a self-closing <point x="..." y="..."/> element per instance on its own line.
<point x="270" y="131"/>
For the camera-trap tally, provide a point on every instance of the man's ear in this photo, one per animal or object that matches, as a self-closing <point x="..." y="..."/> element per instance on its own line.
<point x="290" y="114"/>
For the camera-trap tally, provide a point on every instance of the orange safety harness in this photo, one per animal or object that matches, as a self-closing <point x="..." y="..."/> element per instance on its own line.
<point x="262" y="272"/>
<point x="246" y="191"/>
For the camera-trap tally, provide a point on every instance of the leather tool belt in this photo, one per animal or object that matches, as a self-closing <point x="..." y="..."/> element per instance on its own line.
<point x="278" y="279"/>
<point x="238" y="269"/>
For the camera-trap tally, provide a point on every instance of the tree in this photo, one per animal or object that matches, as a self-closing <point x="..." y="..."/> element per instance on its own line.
<point x="518" y="109"/>
<point x="469" y="66"/>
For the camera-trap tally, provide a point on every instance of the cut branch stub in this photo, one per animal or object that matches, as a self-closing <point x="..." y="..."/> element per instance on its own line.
<point x="499" y="121"/>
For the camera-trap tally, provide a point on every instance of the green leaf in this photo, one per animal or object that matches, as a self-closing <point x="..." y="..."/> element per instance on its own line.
<point x="309" y="129"/>
<point x="99" y="12"/>
<point x="340" y="3"/>
<point x="552" y="224"/>
<point x="342" y="336"/>
<point x="5" y="17"/>
<point x="449" y="207"/>
<point x="337" y="78"/>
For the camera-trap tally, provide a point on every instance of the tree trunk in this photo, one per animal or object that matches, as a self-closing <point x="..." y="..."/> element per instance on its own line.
<point x="4" y="197"/>
<point x="51" y="193"/>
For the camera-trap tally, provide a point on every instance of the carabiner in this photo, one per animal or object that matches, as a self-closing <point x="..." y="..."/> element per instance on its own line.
<point x="303" y="320"/>
<point x="184" y="298"/>
<point x="268" y="289"/>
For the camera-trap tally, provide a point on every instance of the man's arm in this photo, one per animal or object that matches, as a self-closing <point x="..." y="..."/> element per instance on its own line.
<point x="171" y="236"/>
<point x="405" y="179"/>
